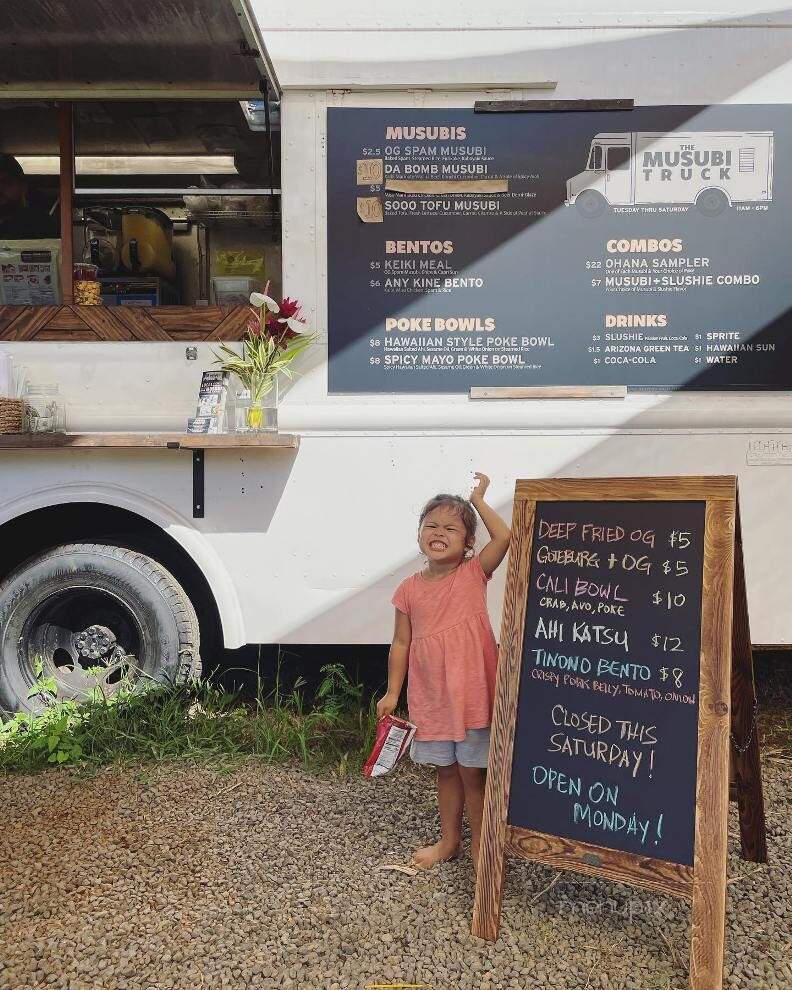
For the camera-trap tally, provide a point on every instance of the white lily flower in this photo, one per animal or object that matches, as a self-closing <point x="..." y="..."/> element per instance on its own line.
<point x="259" y="299"/>
<point x="294" y="324"/>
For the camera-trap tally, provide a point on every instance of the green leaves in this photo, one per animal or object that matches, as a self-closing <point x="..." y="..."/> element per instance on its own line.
<point x="264" y="357"/>
<point x="57" y="734"/>
<point x="45" y="685"/>
<point x="332" y="727"/>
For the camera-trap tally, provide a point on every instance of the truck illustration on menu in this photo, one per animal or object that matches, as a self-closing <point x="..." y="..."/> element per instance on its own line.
<point x="711" y="169"/>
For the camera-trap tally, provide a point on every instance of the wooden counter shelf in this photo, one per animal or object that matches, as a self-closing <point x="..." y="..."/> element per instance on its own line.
<point x="198" y="443"/>
<point x="174" y="441"/>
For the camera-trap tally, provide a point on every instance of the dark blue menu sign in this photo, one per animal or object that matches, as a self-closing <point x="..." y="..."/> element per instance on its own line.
<point x="605" y="742"/>
<point x="647" y="248"/>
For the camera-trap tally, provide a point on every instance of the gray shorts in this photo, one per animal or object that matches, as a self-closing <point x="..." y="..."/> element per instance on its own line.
<point x="472" y="751"/>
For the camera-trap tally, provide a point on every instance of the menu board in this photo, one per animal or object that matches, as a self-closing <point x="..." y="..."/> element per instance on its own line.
<point x="605" y="740"/>
<point x="646" y="248"/>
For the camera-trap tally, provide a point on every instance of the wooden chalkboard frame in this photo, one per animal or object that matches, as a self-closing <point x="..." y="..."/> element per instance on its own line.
<point x="723" y="688"/>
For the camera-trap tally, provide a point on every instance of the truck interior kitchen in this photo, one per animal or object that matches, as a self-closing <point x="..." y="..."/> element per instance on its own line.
<point x="173" y="203"/>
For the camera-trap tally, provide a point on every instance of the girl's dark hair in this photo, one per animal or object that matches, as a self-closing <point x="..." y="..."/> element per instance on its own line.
<point x="463" y="509"/>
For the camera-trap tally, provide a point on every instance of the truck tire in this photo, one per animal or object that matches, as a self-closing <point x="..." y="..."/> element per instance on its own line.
<point x="85" y="605"/>
<point x="590" y="204"/>
<point x="711" y="202"/>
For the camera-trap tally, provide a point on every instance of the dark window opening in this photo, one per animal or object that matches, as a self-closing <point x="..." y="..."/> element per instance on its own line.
<point x="618" y="159"/>
<point x="595" y="158"/>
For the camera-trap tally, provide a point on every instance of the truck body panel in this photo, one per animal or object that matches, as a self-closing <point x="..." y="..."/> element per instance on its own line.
<point x="308" y="547"/>
<point x="311" y="544"/>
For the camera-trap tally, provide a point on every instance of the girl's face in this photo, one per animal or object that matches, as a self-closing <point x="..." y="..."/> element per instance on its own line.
<point x="442" y="535"/>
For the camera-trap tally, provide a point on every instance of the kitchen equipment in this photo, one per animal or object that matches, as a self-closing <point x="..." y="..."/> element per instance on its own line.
<point x="147" y="242"/>
<point x="253" y="209"/>
<point x="137" y="290"/>
<point x="103" y="249"/>
<point x="102" y="232"/>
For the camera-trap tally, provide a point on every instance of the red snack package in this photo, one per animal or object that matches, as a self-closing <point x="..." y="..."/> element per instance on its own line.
<point x="394" y="735"/>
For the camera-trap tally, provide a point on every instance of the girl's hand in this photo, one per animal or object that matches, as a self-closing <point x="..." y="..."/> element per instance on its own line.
<point x="481" y="487"/>
<point x="387" y="705"/>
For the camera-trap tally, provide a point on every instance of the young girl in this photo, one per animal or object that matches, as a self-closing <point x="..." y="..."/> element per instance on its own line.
<point x="443" y="632"/>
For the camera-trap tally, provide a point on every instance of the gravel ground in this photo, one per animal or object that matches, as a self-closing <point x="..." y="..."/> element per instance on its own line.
<point x="177" y="877"/>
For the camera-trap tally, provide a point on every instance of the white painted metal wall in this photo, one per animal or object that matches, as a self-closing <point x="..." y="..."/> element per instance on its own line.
<point x="308" y="548"/>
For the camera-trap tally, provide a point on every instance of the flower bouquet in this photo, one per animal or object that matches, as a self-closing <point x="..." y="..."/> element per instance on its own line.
<point x="274" y="336"/>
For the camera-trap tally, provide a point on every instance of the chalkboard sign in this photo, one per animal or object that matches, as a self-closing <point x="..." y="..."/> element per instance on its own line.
<point x="625" y="667"/>
<point x="607" y="717"/>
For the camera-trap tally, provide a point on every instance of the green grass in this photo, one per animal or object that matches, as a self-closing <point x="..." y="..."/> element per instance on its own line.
<point x="198" y="722"/>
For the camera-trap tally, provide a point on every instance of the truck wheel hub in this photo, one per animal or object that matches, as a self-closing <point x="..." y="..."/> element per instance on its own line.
<point x="95" y="642"/>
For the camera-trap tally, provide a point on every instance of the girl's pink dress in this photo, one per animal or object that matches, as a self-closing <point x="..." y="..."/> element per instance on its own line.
<point x="453" y="655"/>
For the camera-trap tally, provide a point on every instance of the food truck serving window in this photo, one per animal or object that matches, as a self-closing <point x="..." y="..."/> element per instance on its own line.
<point x="168" y="203"/>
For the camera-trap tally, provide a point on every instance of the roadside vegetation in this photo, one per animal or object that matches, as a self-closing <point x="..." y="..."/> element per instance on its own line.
<point x="331" y="729"/>
<point x="328" y="730"/>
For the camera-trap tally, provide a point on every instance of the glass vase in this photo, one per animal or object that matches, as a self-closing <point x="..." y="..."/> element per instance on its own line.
<point x="256" y="417"/>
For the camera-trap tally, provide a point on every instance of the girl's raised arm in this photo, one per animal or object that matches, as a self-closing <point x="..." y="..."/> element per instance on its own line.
<point x="500" y="534"/>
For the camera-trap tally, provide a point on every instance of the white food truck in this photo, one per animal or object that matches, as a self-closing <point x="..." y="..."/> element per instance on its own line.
<point x="709" y="168"/>
<point x="128" y="541"/>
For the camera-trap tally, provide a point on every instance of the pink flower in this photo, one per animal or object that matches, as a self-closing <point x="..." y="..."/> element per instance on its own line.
<point x="281" y="333"/>
<point x="289" y="308"/>
<point x="280" y="319"/>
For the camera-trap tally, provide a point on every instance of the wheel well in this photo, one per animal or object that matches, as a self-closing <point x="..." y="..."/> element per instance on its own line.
<point x="33" y="532"/>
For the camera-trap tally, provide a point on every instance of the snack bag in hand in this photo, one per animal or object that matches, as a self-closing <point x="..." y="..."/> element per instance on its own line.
<point x="394" y="735"/>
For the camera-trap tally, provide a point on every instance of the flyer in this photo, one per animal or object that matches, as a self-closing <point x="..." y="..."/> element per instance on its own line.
<point x="29" y="272"/>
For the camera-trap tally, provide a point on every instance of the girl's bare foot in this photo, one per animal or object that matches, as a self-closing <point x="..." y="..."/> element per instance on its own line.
<point x="440" y="852"/>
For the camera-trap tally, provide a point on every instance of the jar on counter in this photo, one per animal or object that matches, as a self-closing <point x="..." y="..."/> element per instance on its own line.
<point x="83" y="271"/>
<point x="44" y="410"/>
